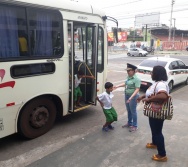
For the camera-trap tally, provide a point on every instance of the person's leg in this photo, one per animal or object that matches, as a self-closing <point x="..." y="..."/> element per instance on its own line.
<point x="109" y="119"/>
<point x="160" y="138"/>
<point x="152" y="127"/>
<point x="107" y="124"/>
<point x="128" y="111"/>
<point x="79" y="96"/>
<point x="114" y="115"/>
<point x="132" y="106"/>
<point x="157" y="136"/>
<point x="75" y="96"/>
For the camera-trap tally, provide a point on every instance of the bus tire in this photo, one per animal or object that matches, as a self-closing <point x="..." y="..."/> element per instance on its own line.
<point x="36" y="118"/>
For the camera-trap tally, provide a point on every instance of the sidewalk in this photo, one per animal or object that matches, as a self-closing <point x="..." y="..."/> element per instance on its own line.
<point x="172" y="52"/>
<point x="120" y="148"/>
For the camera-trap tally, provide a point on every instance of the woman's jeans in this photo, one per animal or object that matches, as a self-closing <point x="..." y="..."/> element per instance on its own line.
<point x="156" y="126"/>
<point x="131" y="110"/>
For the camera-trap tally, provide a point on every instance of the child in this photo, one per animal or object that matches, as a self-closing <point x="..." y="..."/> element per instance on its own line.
<point x="77" y="92"/>
<point x="105" y="100"/>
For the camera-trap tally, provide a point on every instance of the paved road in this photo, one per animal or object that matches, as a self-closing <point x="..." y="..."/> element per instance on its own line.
<point x="120" y="148"/>
<point x="77" y="140"/>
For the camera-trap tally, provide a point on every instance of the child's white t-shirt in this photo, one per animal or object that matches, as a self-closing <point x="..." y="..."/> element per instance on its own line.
<point x="106" y="99"/>
<point x="77" y="81"/>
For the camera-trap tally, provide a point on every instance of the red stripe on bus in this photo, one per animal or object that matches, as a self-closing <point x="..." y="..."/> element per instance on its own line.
<point x="10" y="104"/>
<point x="7" y="84"/>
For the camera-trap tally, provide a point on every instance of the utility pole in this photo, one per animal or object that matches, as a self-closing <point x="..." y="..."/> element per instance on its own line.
<point x="169" y="38"/>
<point x="146" y="33"/>
<point x="174" y="29"/>
<point x="134" y="30"/>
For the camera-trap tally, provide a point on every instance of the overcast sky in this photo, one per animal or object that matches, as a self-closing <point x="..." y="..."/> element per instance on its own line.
<point x="126" y="10"/>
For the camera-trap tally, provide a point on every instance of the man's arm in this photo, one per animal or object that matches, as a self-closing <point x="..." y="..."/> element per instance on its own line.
<point x="89" y="76"/>
<point x="120" y="85"/>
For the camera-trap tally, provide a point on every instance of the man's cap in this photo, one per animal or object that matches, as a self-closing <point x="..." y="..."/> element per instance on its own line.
<point x="131" y="67"/>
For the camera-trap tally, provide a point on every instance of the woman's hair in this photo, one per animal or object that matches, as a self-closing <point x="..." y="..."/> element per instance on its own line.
<point x="159" y="74"/>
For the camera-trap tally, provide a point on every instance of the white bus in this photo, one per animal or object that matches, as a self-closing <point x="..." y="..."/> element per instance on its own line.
<point x="42" y="45"/>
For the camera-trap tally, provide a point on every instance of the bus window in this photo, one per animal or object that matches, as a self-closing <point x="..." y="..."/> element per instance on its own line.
<point x="45" y="36"/>
<point x="28" y="32"/>
<point x="12" y="32"/>
<point x="100" y="65"/>
<point x="90" y="33"/>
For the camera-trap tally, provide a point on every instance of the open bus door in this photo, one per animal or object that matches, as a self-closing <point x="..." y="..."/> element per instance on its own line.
<point x="91" y="61"/>
<point x="83" y="55"/>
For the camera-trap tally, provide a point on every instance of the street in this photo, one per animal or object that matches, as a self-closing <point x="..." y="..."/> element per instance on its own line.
<point x="77" y="140"/>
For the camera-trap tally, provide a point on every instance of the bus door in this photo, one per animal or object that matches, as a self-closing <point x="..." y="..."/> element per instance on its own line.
<point x="82" y="45"/>
<point x="71" y="65"/>
<point x="91" y="62"/>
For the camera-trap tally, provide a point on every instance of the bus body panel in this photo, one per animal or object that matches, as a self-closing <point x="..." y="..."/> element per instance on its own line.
<point x="59" y="4"/>
<point x="22" y="90"/>
<point x="8" y="120"/>
<point x="81" y="17"/>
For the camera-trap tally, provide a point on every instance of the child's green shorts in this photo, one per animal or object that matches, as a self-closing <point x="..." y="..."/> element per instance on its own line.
<point x="77" y="92"/>
<point x="110" y="114"/>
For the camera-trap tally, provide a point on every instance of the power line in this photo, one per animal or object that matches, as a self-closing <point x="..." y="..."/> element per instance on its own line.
<point x="122" y="4"/>
<point x="147" y="10"/>
<point x="133" y="16"/>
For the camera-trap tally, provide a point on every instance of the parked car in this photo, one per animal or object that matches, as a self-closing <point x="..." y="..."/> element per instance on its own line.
<point x="177" y="71"/>
<point x="136" y="52"/>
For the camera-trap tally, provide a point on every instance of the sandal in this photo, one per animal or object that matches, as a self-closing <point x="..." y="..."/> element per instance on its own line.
<point x="151" y="145"/>
<point x="133" y="129"/>
<point x="126" y="126"/>
<point x="157" y="157"/>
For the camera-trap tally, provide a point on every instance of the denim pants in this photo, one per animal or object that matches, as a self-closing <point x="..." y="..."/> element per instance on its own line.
<point x="131" y="110"/>
<point x="156" y="126"/>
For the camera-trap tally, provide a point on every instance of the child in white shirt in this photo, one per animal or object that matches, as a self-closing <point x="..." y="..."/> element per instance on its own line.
<point x="77" y="91"/>
<point x="105" y="100"/>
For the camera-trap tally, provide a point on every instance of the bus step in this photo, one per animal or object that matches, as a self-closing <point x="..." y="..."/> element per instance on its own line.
<point x="82" y="108"/>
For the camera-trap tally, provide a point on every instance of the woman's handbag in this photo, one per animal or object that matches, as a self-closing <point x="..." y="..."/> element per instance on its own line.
<point x="159" y="111"/>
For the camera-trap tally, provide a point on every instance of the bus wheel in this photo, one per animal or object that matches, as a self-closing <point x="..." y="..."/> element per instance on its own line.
<point x="36" y="118"/>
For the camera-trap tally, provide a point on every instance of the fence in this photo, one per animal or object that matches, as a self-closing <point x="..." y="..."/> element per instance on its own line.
<point x="176" y="45"/>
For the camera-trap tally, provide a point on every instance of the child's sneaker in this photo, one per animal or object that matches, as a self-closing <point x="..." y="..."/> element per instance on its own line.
<point x="105" y="129"/>
<point x="133" y="129"/>
<point x="110" y="127"/>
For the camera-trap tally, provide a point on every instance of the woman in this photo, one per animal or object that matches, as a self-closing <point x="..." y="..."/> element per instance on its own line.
<point x="132" y="87"/>
<point x="161" y="90"/>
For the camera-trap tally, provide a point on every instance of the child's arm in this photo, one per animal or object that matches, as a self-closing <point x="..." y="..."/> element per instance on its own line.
<point x="100" y="102"/>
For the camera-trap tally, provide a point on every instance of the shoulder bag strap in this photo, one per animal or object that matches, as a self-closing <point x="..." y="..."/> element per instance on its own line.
<point x="155" y="88"/>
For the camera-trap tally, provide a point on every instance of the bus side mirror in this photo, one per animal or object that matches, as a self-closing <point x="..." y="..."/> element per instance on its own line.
<point x="115" y="32"/>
